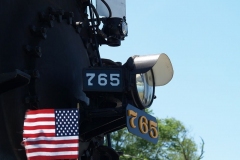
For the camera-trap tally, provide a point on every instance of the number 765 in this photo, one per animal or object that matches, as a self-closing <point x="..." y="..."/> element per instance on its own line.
<point x="144" y="125"/>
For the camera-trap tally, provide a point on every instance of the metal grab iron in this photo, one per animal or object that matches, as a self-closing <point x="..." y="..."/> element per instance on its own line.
<point x="12" y="80"/>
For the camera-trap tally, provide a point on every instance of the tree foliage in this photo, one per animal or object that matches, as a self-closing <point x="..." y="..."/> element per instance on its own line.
<point x="174" y="143"/>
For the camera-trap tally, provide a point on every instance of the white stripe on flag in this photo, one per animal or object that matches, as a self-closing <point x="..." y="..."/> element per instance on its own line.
<point x="69" y="145"/>
<point x="39" y="123"/>
<point x="40" y="115"/>
<point x="51" y="138"/>
<point x="39" y="131"/>
<point x="52" y="153"/>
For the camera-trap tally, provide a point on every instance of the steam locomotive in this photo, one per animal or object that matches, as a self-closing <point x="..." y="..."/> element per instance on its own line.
<point x="48" y="54"/>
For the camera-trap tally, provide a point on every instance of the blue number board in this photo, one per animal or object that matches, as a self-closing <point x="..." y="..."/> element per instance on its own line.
<point x="103" y="79"/>
<point x="141" y="124"/>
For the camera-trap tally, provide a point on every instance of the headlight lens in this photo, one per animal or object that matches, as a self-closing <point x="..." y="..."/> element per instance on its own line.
<point x="145" y="88"/>
<point x="124" y="28"/>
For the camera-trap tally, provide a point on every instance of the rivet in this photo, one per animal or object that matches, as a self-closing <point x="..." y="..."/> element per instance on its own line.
<point x="48" y="18"/>
<point x="35" y="51"/>
<point x="78" y="26"/>
<point x="39" y="32"/>
<point x="58" y="13"/>
<point x="69" y="16"/>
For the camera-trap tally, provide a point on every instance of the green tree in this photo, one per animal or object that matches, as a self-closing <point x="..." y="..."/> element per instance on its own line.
<point x="174" y="144"/>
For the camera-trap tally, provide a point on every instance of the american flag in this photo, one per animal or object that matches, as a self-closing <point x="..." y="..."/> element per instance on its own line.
<point x="51" y="134"/>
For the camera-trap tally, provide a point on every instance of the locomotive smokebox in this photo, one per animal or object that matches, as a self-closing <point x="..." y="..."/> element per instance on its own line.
<point x="39" y="39"/>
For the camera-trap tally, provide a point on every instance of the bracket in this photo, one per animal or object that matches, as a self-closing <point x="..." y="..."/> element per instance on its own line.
<point x="12" y="80"/>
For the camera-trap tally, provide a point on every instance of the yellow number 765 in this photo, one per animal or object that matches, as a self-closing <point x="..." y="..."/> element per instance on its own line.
<point x="144" y="124"/>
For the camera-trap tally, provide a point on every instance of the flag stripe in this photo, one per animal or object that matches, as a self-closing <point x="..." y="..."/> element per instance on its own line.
<point x="52" y="153"/>
<point x="39" y="127"/>
<point x="40" y="111"/>
<point x="52" y="142"/>
<point x="48" y="115"/>
<point x="68" y="157"/>
<point x="26" y="136"/>
<point x="41" y="123"/>
<point x="41" y="138"/>
<point x="51" y="145"/>
<point x="48" y="119"/>
<point x="35" y="131"/>
<point x="52" y="149"/>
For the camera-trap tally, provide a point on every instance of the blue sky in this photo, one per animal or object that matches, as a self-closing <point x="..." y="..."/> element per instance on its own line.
<point x="202" y="39"/>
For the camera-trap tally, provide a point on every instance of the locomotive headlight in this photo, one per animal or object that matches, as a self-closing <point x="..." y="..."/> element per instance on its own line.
<point x="143" y="92"/>
<point x="124" y="28"/>
<point x="147" y="72"/>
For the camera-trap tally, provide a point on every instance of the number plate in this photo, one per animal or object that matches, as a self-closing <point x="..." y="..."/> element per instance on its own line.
<point x="102" y="79"/>
<point x="142" y="124"/>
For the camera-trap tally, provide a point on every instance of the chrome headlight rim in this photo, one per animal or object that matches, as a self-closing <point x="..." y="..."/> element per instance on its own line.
<point x="135" y="94"/>
<point x="124" y="28"/>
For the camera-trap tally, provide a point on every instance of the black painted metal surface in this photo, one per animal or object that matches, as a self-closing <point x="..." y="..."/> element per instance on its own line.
<point x="43" y="43"/>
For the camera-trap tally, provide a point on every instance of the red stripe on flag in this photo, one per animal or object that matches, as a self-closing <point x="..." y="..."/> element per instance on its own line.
<point x="40" y="119"/>
<point x="29" y="128"/>
<point x="52" y="149"/>
<point x="40" y="111"/>
<point x="39" y="135"/>
<point x="69" y="157"/>
<point x="52" y="142"/>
